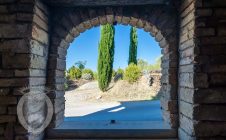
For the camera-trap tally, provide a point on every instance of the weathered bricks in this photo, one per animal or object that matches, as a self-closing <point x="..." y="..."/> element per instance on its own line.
<point x="26" y="48"/>
<point x="202" y="73"/>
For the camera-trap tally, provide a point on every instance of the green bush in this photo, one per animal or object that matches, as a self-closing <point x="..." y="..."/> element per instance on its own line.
<point x="120" y="71"/>
<point x="95" y="76"/>
<point x="74" y="73"/>
<point x="88" y="71"/>
<point x="132" y="73"/>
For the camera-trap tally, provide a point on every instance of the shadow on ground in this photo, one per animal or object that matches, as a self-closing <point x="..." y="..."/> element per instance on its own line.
<point x="124" y="111"/>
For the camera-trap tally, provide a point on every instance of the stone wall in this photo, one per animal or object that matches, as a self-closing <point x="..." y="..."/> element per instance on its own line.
<point x="33" y="46"/>
<point x="23" y="53"/>
<point x="202" y="70"/>
<point x="154" y="80"/>
<point x="159" y="21"/>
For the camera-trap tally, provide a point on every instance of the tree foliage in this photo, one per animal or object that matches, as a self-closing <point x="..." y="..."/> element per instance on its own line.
<point x="74" y="73"/>
<point x="120" y="71"/>
<point x="132" y="73"/>
<point x="133" y="46"/>
<point x="81" y="64"/>
<point x="88" y="71"/>
<point x="106" y="56"/>
<point x="145" y="66"/>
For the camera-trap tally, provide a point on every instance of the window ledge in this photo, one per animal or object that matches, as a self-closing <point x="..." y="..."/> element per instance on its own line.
<point x="119" y="129"/>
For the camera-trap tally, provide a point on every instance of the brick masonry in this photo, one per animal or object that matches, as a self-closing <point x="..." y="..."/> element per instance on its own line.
<point x="24" y="33"/>
<point x="192" y="35"/>
<point x="201" y="70"/>
<point x="162" y="25"/>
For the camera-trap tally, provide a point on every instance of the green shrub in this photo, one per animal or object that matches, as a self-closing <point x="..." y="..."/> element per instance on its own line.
<point x="95" y="76"/>
<point x="120" y="71"/>
<point x="87" y="76"/>
<point x="88" y="71"/>
<point x="132" y="73"/>
<point x="74" y="73"/>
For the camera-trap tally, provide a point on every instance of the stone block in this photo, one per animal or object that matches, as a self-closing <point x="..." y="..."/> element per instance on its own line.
<point x="3" y="9"/>
<point x="213" y="40"/>
<point x="172" y="119"/>
<point x="186" y="109"/>
<point x="7" y="118"/>
<point x="184" y="136"/>
<point x="3" y="110"/>
<point x="40" y="35"/>
<point x="41" y="23"/>
<point x="199" y="32"/>
<point x="186" y="36"/>
<point x="204" y="12"/>
<point x="57" y="80"/>
<point x="43" y="14"/>
<point x="221" y="31"/>
<point x="187" y="124"/>
<point x="210" y="96"/>
<point x="218" y="79"/>
<point x="169" y="105"/>
<point x="8" y="100"/>
<point x="12" y="110"/>
<point x="187" y="68"/>
<point x="187" y="44"/>
<point x="201" y="80"/>
<point x="38" y="62"/>
<point x="210" y="112"/>
<point x="15" y="60"/>
<point x="125" y="20"/>
<point x="24" y="17"/>
<point x="187" y="19"/>
<point x="30" y="72"/>
<point x="20" y="130"/>
<point x="186" y="94"/>
<point x="8" y="18"/>
<point x="36" y="81"/>
<point x="14" y="82"/>
<point x="15" y="31"/>
<point x="6" y="73"/>
<point x="189" y="52"/>
<point x="210" y="129"/>
<point x="4" y="91"/>
<point x="56" y="94"/>
<point x="110" y="15"/>
<point x="186" y="80"/>
<point x="220" y="12"/>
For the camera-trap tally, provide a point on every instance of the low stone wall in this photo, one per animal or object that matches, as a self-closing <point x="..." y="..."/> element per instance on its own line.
<point x="155" y="80"/>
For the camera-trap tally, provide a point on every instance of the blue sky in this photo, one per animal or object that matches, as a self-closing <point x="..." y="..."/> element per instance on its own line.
<point x="85" y="47"/>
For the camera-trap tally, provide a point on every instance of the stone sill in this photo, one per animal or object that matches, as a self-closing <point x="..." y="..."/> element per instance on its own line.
<point x="121" y="129"/>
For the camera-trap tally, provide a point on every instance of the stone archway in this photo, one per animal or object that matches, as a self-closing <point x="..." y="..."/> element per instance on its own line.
<point x="159" y="21"/>
<point x="26" y="27"/>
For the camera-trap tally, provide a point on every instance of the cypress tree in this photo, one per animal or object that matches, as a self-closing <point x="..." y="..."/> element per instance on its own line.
<point x="106" y="56"/>
<point x="133" y="46"/>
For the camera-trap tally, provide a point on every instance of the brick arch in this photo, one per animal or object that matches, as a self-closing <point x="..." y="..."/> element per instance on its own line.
<point x="159" y="21"/>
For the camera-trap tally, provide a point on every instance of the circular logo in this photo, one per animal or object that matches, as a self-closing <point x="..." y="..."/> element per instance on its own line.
<point x="35" y="110"/>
